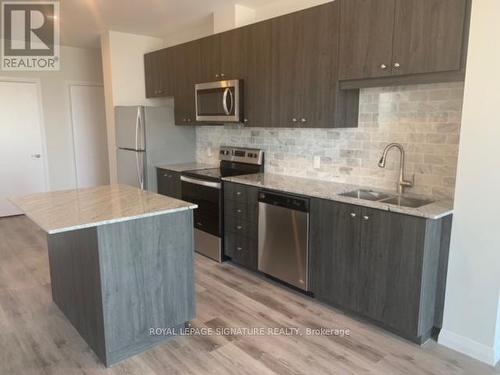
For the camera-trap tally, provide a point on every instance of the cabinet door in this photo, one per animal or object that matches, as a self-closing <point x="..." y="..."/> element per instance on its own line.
<point x="286" y="84"/>
<point x="390" y="266"/>
<point x="209" y="65"/>
<point x="187" y="60"/>
<point x="334" y="246"/>
<point x="167" y="72"/>
<point x="366" y="38"/>
<point x="169" y="183"/>
<point x="152" y="74"/>
<point x="317" y="65"/>
<point x="428" y="36"/>
<point x="247" y="56"/>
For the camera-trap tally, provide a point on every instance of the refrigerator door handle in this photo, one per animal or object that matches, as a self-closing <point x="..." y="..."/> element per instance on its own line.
<point x="138" y="155"/>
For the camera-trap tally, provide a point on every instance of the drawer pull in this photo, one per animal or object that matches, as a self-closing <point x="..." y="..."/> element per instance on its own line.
<point x="353" y="214"/>
<point x="239" y="248"/>
<point x="239" y="211"/>
<point x="239" y="227"/>
<point x="366" y="217"/>
<point x="238" y="193"/>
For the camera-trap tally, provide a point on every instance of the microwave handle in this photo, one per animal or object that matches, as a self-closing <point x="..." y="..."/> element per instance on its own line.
<point x="227" y="92"/>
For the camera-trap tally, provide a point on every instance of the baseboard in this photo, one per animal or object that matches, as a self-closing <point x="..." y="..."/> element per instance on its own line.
<point x="469" y="347"/>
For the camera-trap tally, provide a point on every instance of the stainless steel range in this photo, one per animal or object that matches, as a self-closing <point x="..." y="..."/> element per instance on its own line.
<point x="204" y="187"/>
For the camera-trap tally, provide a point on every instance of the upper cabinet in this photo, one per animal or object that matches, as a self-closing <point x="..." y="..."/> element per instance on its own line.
<point x="187" y="73"/>
<point x="394" y="38"/>
<point x="159" y="73"/>
<point x="428" y="36"/>
<point x="304" y="70"/>
<point x="247" y="56"/>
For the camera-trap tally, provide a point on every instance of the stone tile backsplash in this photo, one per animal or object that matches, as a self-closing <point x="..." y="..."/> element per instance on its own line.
<point x="424" y="118"/>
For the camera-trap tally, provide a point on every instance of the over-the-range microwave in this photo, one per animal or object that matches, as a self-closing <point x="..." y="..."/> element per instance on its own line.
<point x="219" y="102"/>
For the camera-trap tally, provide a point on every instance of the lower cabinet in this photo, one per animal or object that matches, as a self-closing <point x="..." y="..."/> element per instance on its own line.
<point x="169" y="183"/>
<point x="381" y="265"/>
<point x="241" y="224"/>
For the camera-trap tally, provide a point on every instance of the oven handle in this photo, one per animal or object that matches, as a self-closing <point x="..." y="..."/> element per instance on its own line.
<point x="215" y="185"/>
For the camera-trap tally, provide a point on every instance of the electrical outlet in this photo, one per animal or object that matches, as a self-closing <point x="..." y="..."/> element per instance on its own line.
<point x="317" y="162"/>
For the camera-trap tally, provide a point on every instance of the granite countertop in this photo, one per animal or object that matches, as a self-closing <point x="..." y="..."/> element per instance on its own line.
<point x="186" y="166"/>
<point x="62" y="211"/>
<point x="331" y="190"/>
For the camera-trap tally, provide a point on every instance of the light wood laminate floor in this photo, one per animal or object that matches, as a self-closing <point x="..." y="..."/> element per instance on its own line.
<point x="35" y="338"/>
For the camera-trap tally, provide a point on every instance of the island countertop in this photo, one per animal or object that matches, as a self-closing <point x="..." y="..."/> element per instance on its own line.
<point x="67" y="210"/>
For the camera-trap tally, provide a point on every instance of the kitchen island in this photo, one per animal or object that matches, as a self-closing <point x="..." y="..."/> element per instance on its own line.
<point x="121" y="264"/>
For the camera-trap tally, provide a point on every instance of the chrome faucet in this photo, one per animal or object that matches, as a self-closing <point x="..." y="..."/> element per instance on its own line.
<point x="402" y="183"/>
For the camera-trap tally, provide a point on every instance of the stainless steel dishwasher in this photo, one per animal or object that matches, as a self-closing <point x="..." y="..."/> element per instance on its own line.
<point x="284" y="238"/>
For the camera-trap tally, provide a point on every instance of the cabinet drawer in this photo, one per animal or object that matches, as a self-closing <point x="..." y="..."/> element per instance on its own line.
<point x="169" y="183"/>
<point x="242" y="250"/>
<point x="240" y="193"/>
<point x="243" y="210"/>
<point x="240" y="226"/>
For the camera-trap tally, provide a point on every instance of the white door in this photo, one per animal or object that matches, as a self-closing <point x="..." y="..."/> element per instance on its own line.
<point x="89" y="135"/>
<point x="22" y="169"/>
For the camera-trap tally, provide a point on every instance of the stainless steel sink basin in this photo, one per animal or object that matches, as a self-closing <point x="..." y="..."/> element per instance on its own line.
<point x="407" y="202"/>
<point x="376" y="196"/>
<point x="367" y="195"/>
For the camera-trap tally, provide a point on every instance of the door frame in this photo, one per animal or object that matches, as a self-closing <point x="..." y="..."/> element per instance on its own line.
<point x="68" y="85"/>
<point x="43" y="135"/>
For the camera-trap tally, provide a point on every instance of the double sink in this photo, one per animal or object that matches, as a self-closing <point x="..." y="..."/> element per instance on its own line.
<point x="398" y="200"/>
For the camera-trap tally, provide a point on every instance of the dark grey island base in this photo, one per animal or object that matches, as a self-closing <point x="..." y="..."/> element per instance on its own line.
<point x="117" y="281"/>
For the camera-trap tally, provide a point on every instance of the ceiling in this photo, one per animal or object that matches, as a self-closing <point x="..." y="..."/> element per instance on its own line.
<point x="83" y="21"/>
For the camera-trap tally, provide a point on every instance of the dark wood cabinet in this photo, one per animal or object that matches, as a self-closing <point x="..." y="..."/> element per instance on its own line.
<point x="169" y="183"/>
<point x="209" y="63"/>
<point x="247" y="56"/>
<point x="187" y="59"/>
<point x="381" y="265"/>
<point x="428" y="36"/>
<point x="366" y="38"/>
<point x="305" y="91"/>
<point x="407" y="41"/>
<point x="335" y="239"/>
<point x="159" y="73"/>
<point x="241" y="224"/>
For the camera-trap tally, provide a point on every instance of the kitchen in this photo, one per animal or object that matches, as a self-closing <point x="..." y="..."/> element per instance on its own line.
<point x="314" y="157"/>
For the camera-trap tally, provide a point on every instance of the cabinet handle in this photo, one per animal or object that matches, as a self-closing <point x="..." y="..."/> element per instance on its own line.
<point x="294" y="120"/>
<point x="200" y="224"/>
<point x="216" y="75"/>
<point x="238" y="193"/>
<point x="222" y="75"/>
<point x="239" y="248"/>
<point x="353" y="214"/>
<point x="245" y="120"/>
<point x="239" y="227"/>
<point x="303" y="120"/>
<point x="239" y="211"/>
<point x="366" y="218"/>
<point x="383" y="66"/>
<point x="397" y="65"/>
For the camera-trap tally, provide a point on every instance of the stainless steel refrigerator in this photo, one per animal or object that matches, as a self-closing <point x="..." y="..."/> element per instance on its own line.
<point x="146" y="137"/>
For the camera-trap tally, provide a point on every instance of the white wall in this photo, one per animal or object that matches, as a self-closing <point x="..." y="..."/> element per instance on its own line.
<point x="123" y="72"/>
<point x="77" y="64"/>
<point x="281" y="7"/>
<point x="472" y="297"/>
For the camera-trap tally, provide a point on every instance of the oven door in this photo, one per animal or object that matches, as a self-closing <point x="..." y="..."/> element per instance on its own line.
<point x="207" y="224"/>
<point x="218" y="101"/>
